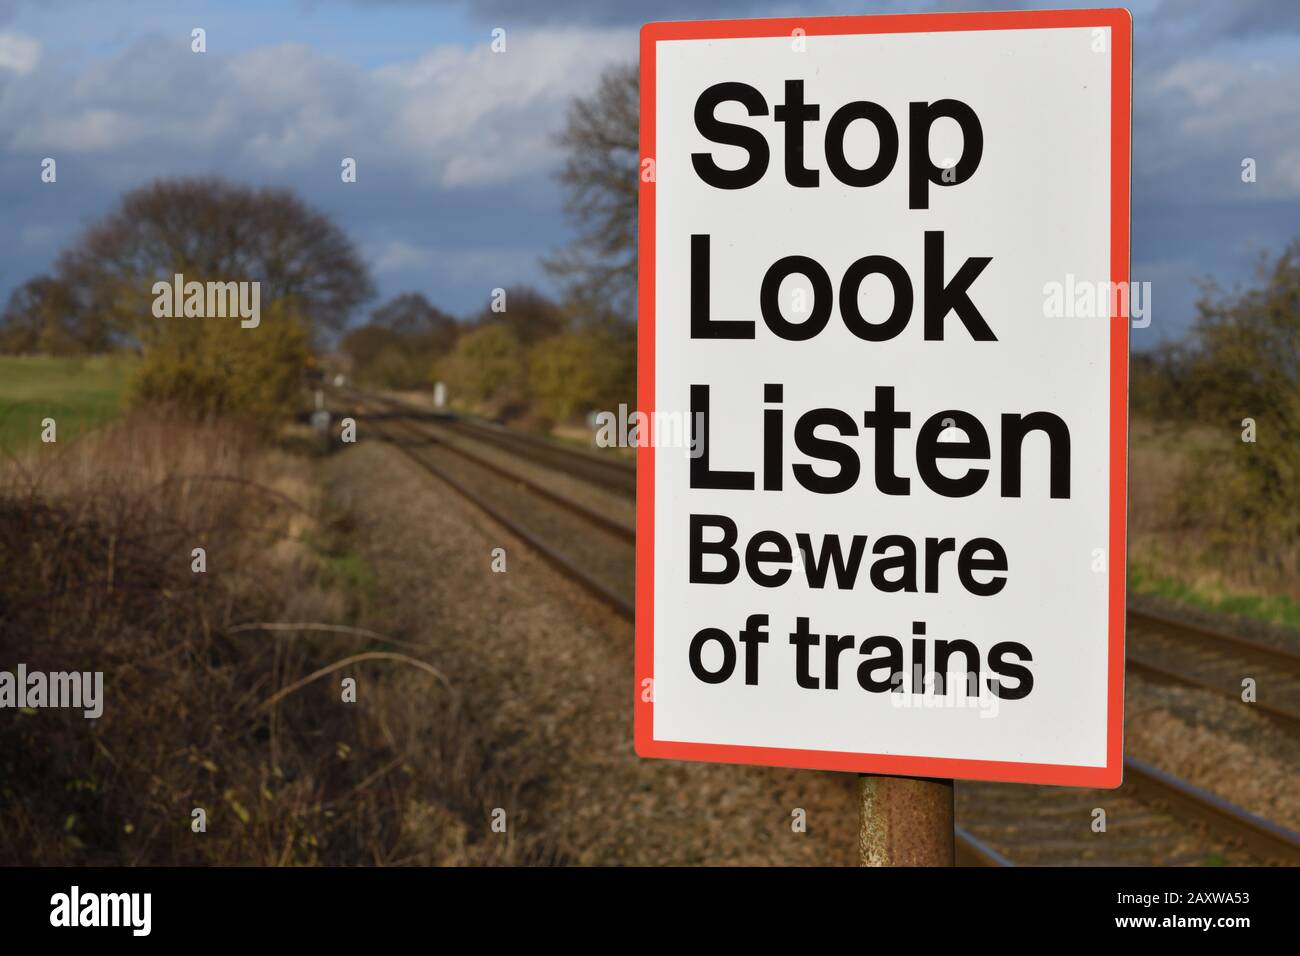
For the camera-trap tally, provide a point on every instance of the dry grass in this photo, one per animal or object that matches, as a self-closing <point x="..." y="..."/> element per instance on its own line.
<point x="1183" y="533"/>
<point x="96" y="541"/>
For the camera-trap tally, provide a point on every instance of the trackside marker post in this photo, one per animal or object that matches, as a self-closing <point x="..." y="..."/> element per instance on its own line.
<point x="894" y="543"/>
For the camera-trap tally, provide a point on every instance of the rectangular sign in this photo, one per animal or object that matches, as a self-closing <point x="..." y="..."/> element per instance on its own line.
<point x="883" y="284"/>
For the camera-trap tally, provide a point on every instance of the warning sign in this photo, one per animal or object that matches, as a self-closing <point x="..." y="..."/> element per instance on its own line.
<point x="891" y="536"/>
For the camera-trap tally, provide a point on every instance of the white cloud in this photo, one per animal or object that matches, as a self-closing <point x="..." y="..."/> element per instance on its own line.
<point x="87" y="130"/>
<point x="481" y="116"/>
<point x="453" y="117"/>
<point x="18" y="52"/>
<point x="400" y="256"/>
<point x="1198" y="118"/>
<point x="493" y="265"/>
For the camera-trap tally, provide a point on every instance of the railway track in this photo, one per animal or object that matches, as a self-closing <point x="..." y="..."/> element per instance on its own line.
<point x="1152" y="817"/>
<point x="619" y="476"/>
<point x="1159" y="648"/>
<point x="567" y="534"/>
<point x="1176" y="652"/>
<point x="602" y="470"/>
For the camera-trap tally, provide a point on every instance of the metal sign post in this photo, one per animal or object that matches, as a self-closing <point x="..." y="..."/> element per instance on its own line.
<point x="905" y="821"/>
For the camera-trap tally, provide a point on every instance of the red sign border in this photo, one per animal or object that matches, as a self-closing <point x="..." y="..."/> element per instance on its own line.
<point x="1111" y="775"/>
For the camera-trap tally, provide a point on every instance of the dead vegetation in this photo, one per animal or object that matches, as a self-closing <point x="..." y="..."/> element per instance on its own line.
<point x="1186" y="522"/>
<point x="1216" y="442"/>
<point x="209" y="701"/>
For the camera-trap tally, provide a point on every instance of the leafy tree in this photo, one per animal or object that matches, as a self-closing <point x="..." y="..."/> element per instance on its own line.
<point x="1247" y="346"/>
<point x="1158" y="382"/>
<point x="565" y="374"/>
<point x="396" y="367"/>
<point x="582" y="370"/>
<point x="487" y="368"/>
<point x="214" y="367"/>
<point x="1245" y="364"/>
<point x="529" y="315"/>
<point x="400" y="343"/>
<point x="366" y="343"/>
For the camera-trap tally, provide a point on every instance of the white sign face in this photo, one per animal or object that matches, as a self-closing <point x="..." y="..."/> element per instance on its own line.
<point x="883" y="277"/>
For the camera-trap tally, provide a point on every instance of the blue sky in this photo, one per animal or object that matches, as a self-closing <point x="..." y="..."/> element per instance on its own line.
<point x="455" y="193"/>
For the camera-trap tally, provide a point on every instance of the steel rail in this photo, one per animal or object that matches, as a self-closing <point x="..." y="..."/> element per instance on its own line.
<point x="972" y="851"/>
<point x="616" y="528"/>
<point x="597" y="589"/>
<point x="1218" y="642"/>
<point x="1278" y="655"/>
<point x="1263" y="836"/>
<point x="1289" y="719"/>
<point x="615" y="475"/>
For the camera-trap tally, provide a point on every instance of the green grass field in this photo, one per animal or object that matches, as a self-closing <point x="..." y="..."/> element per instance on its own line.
<point x="1269" y="608"/>
<point x="78" y="393"/>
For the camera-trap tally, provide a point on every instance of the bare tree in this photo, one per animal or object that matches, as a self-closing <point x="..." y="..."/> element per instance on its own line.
<point x="529" y="315"/>
<point x="411" y="316"/>
<point x="212" y="230"/>
<point x="398" y="347"/>
<point x="601" y="142"/>
<point x="40" y="317"/>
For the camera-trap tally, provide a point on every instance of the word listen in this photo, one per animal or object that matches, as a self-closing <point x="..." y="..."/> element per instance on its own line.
<point x="887" y="422"/>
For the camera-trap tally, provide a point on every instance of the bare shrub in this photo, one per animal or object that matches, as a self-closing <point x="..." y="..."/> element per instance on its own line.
<point x="96" y="543"/>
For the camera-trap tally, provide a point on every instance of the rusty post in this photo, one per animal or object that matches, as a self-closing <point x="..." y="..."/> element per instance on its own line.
<point x="904" y="821"/>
